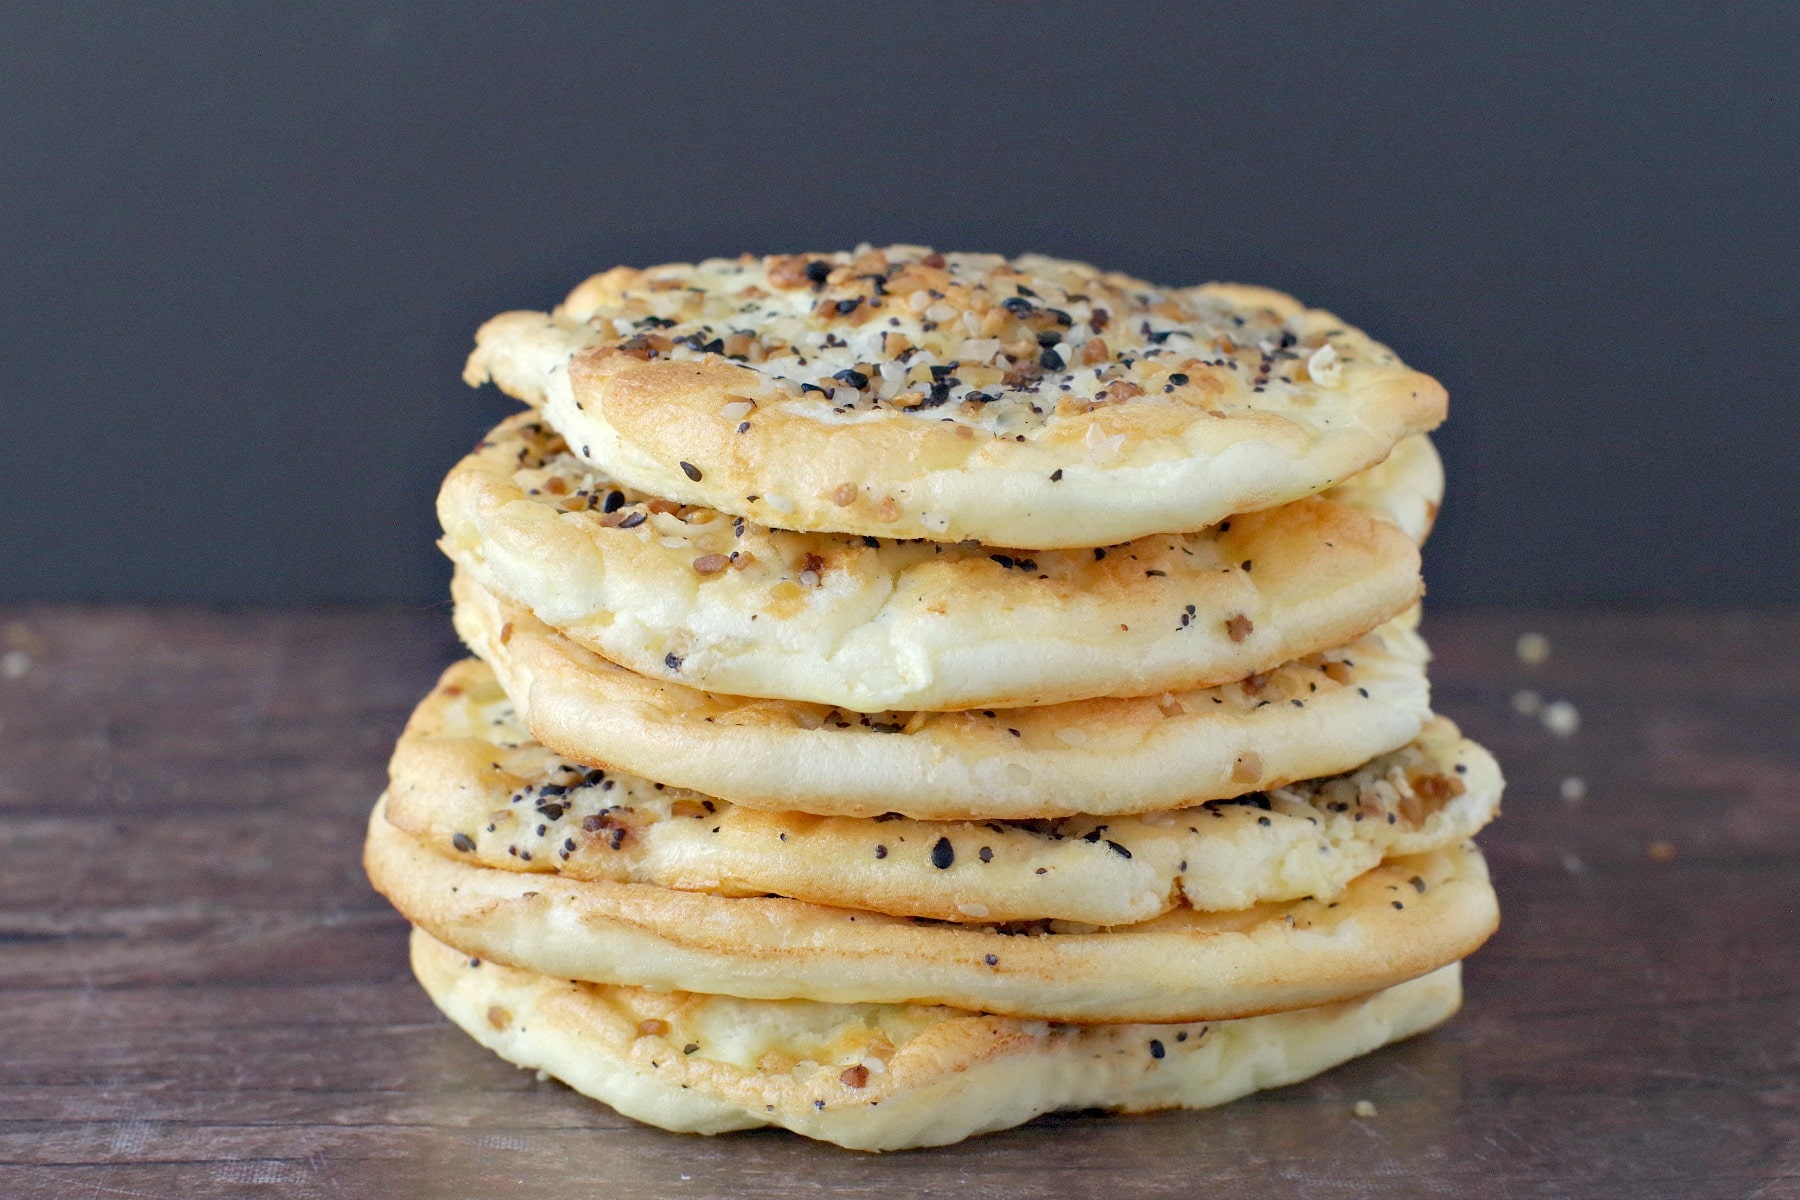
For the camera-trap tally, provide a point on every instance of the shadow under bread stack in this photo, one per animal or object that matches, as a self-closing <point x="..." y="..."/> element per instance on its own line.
<point x="914" y="692"/>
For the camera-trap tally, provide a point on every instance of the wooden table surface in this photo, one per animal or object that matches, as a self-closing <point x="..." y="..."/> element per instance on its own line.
<point x="200" y="996"/>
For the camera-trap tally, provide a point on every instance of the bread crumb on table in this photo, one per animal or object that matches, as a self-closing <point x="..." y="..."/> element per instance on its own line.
<point x="1533" y="648"/>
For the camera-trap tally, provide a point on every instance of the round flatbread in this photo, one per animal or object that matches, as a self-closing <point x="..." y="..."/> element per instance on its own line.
<point x="889" y="1077"/>
<point x="727" y="605"/>
<point x="1318" y="716"/>
<point x="1396" y="922"/>
<point x="468" y="781"/>
<point x="900" y="393"/>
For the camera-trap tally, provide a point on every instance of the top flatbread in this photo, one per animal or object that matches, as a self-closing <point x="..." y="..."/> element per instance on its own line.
<point x="900" y="393"/>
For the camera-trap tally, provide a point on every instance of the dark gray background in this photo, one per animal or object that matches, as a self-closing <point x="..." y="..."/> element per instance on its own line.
<point x="243" y="246"/>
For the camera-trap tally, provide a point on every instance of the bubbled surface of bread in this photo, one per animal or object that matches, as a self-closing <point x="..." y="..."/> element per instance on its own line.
<point x="889" y="1077"/>
<point x="468" y="781"/>
<point x="692" y="595"/>
<point x="900" y="393"/>
<point x="1318" y="716"/>
<point x="1404" y="918"/>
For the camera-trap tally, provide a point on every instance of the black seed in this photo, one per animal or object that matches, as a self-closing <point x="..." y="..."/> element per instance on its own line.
<point x="1017" y="305"/>
<point x="1056" y="475"/>
<point x="881" y="852"/>
<point x="614" y="502"/>
<point x="1048" y="338"/>
<point x="633" y="521"/>
<point x="463" y="842"/>
<point x="1121" y="851"/>
<point x="993" y="960"/>
<point x="1050" y="360"/>
<point x="854" y="378"/>
<point x="672" y="661"/>
<point x="1178" y="379"/>
<point x="943" y="854"/>
<point x="847" y="306"/>
<point x="691" y="471"/>
<point x="1156" y="1049"/>
<point x="987" y="855"/>
<point x="817" y="270"/>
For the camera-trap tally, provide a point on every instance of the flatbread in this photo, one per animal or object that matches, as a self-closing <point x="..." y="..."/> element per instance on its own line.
<point x="1319" y="716"/>
<point x="1400" y="920"/>
<point x="468" y="781"/>
<point x="693" y="596"/>
<point x="889" y="1077"/>
<point x="1035" y="403"/>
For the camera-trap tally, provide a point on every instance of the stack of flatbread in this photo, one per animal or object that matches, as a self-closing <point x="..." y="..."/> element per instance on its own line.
<point x="914" y="692"/>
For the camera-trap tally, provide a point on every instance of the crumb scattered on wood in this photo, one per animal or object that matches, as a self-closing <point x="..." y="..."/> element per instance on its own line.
<point x="1533" y="648"/>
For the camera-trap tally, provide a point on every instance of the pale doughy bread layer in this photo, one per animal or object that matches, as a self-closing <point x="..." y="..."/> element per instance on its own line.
<point x="695" y="597"/>
<point x="1067" y="408"/>
<point x="1325" y="714"/>
<point x="468" y="781"/>
<point x="1398" y="921"/>
<point x="889" y="1077"/>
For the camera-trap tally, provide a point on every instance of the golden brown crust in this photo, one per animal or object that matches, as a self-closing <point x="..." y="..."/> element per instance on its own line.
<point x="1396" y="922"/>
<point x="727" y="605"/>
<point x="1104" y="409"/>
<point x="1313" y="717"/>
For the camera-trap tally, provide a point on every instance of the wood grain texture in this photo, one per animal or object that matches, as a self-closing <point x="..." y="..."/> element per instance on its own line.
<point x="200" y="997"/>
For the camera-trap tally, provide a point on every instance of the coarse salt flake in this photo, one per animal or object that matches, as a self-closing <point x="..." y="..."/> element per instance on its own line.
<point x="1324" y="368"/>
